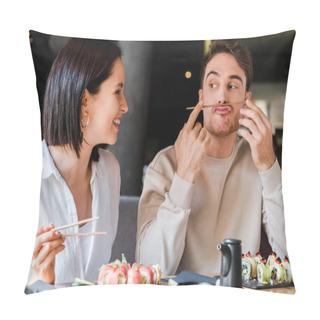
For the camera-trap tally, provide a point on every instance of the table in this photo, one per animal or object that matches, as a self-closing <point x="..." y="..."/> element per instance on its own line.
<point x="285" y="290"/>
<point x="41" y="286"/>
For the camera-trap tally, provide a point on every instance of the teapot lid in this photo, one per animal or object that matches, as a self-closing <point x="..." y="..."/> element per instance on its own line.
<point x="231" y="241"/>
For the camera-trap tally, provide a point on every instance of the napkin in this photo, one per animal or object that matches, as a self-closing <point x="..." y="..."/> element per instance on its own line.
<point x="188" y="277"/>
<point x="38" y="286"/>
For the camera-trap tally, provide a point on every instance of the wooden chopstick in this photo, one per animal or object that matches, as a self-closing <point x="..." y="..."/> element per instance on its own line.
<point x="79" y="234"/>
<point x="75" y="224"/>
<point x="220" y="104"/>
<point x="83" y="234"/>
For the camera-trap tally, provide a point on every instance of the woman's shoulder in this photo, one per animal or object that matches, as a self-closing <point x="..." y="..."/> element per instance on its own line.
<point x="108" y="160"/>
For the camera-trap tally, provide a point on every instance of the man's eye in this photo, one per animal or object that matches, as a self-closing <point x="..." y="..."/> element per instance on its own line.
<point x="212" y="85"/>
<point x="233" y="86"/>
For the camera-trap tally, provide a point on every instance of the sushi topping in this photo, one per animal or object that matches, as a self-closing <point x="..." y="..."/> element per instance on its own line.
<point x="136" y="266"/>
<point x="124" y="262"/>
<point x="258" y="254"/>
<point x="263" y="260"/>
<point x="278" y="260"/>
<point x="273" y="254"/>
<point x="248" y="254"/>
<point x="286" y="259"/>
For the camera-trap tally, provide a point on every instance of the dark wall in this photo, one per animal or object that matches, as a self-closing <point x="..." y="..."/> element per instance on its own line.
<point x="158" y="92"/>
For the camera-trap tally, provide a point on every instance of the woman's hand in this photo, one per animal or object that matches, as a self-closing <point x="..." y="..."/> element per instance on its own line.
<point x="190" y="147"/>
<point x="260" y="138"/>
<point x="48" y="244"/>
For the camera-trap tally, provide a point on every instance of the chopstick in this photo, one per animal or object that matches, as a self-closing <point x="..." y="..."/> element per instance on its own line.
<point x="220" y="104"/>
<point x="75" y="224"/>
<point x="83" y="234"/>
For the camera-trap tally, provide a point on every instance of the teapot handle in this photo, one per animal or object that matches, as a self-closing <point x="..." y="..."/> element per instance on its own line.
<point x="226" y="259"/>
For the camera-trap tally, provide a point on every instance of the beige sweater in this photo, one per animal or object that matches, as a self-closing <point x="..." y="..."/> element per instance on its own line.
<point x="180" y="224"/>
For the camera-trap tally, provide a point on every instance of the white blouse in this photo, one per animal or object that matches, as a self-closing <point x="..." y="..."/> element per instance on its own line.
<point x="81" y="257"/>
<point x="85" y="243"/>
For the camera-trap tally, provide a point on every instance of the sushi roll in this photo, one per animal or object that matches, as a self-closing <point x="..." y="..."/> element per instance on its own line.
<point x="277" y="270"/>
<point x="114" y="272"/>
<point x="249" y="267"/>
<point x="246" y="269"/>
<point x="263" y="271"/>
<point x="253" y="265"/>
<point x="156" y="273"/>
<point x="111" y="274"/>
<point x="271" y="259"/>
<point x="258" y="257"/>
<point x="134" y="275"/>
<point x="287" y="269"/>
<point x="121" y="272"/>
<point x="146" y="275"/>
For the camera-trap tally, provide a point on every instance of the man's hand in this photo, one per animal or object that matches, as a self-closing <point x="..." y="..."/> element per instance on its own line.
<point x="260" y="140"/>
<point x="190" y="147"/>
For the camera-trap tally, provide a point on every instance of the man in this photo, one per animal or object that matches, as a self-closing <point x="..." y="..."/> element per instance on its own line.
<point x="217" y="181"/>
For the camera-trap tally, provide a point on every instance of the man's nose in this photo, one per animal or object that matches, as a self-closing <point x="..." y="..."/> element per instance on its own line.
<point x="223" y="95"/>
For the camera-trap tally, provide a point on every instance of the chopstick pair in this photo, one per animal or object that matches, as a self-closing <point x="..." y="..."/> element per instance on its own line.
<point x="79" y="234"/>
<point x="220" y="104"/>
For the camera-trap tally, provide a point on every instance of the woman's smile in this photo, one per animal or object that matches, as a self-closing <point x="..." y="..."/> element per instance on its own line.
<point x="116" y="123"/>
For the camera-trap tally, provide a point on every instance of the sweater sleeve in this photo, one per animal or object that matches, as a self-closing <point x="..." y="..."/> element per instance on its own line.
<point x="163" y="215"/>
<point x="273" y="210"/>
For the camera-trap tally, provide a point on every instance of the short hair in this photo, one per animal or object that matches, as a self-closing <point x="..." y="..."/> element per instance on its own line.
<point x="239" y="51"/>
<point x="81" y="64"/>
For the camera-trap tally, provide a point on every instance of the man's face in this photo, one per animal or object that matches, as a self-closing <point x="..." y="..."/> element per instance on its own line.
<point x="224" y="82"/>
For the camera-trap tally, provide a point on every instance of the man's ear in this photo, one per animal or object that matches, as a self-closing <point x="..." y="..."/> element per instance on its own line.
<point x="200" y="94"/>
<point x="248" y="95"/>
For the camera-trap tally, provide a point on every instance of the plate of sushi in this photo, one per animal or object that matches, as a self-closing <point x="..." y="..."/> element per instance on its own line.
<point x="121" y="272"/>
<point x="261" y="273"/>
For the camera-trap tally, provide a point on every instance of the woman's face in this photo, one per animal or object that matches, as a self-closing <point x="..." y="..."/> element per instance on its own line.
<point x="105" y="109"/>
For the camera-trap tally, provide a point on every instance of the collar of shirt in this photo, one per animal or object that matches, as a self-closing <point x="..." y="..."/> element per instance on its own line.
<point x="49" y="168"/>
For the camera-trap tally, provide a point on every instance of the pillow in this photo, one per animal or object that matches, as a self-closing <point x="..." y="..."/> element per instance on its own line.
<point x="162" y="78"/>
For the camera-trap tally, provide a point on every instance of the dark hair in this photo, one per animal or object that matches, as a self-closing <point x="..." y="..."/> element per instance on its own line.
<point x="81" y="64"/>
<point x="238" y="51"/>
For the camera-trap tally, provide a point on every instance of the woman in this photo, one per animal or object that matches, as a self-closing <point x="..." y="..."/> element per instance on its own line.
<point x="83" y="105"/>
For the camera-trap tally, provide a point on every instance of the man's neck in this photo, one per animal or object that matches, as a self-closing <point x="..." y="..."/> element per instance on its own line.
<point x="221" y="147"/>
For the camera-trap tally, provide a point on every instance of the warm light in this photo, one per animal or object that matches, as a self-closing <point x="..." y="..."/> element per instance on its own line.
<point x="188" y="74"/>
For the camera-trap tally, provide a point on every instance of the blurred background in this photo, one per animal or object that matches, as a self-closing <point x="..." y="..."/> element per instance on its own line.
<point x="162" y="79"/>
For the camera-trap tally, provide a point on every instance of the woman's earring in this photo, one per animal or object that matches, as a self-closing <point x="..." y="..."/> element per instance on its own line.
<point x="84" y="104"/>
<point x="82" y="121"/>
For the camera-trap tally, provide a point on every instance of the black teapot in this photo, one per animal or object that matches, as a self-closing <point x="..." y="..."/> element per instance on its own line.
<point x="231" y="267"/>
